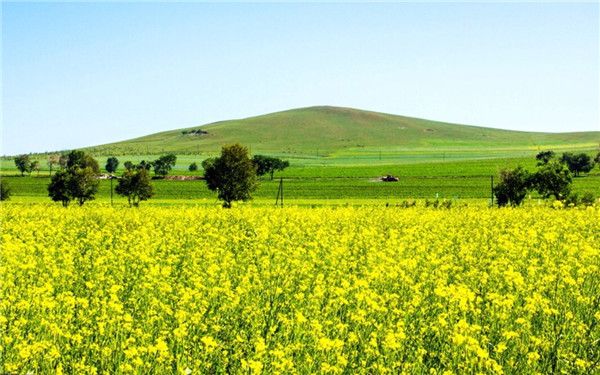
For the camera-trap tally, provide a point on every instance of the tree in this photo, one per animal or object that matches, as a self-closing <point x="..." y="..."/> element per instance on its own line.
<point x="577" y="163"/>
<point x="147" y="165"/>
<point x="58" y="188"/>
<point x="83" y="184"/>
<point x="193" y="167"/>
<point x="553" y="179"/>
<point x="4" y="190"/>
<point x="77" y="181"/>
<point x="112" y="164"/>
<point x="512" y="187"/>
<point x="163" y="165"/>
<point x="128" y="165"/>
<point x="80" y="159"/>
<point x="34" y="166"/>
<point x="232" y="175"/>
<point x="544" y="157"/>
<point x="267" y="164"/>
<point x="52" y="161"/>
<point x="597" y="159"/>
<point x="135" y="185"/>
<point x="23" y="164"/>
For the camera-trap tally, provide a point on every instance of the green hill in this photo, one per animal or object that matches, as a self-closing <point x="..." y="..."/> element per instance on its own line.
<point x="334" y="130"/>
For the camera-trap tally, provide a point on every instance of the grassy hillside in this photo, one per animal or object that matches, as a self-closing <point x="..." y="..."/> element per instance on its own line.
<point x="331" y="131"/>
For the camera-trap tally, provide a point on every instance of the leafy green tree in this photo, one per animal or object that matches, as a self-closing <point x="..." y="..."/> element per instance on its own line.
<point x="77" y="181"/>
<point x="544" y="157"/>
<point x="164" y="164"/>
<point x="79" y="159"/>
<point x="267" y="164"/>
<point x="34" y="166"/>
<point x="58" y="189"/>
<point x="23" y="164"/>
<point x="193" y="167"/>
<point x="232" y="175"/>
<point x="512" y="187"/>
<point x="577" y="163"/>
<point x="112" y="164"/>
<point x="147" y="165"/>
<point x="552" y="179"/>
<point x="597" y="159"/>
<point x="136" y="186"/>
<point x="4" y="190"/>
<point x="128" y="165"/>
<point x="82" y="184"/>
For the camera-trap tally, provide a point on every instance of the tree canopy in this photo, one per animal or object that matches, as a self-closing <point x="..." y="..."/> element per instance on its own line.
<point x="77" y="181"/>
<point x="232" y="175"/>
<point x="112" y="164"/>
<point x="268" y="164"/>
<point x="135" y="185"/>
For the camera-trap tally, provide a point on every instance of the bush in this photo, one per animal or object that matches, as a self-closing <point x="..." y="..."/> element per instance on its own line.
<point x="4" y="190"/>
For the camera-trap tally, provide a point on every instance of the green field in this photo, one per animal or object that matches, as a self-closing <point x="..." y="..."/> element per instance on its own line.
<point x="345" y="132"/>
<point x="334" y="184"/>
<point x="337" y="155"/>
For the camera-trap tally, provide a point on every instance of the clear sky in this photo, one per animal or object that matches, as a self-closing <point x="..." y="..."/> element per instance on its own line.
<point x="79" y="74"/>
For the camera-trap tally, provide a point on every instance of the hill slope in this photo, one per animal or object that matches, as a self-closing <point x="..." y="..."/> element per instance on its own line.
<point x="334" y="129"/>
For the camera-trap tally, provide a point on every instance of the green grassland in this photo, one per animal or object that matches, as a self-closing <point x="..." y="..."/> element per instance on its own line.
<point x="465" y="180"/>
<point x="344" y="133"/>
<point x="336" y="155"/>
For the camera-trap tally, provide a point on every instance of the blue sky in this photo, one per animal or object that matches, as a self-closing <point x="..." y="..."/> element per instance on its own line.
<point x="79" y="74"/>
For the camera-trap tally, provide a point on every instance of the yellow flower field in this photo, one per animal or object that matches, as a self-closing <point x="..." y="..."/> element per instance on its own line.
<point x="298" y="290"/>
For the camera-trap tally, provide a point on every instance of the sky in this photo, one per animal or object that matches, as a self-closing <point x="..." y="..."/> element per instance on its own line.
<point x="82" y="74"/>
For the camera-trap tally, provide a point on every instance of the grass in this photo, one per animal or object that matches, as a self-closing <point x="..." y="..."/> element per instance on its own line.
<point x="337" y="153"/>
<point x="343" y="132"/>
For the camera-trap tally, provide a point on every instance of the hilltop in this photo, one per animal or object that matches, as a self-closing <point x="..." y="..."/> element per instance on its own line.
<point x="334" y="129"/>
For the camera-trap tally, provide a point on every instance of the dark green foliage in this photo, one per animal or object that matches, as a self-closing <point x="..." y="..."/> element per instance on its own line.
<point x="577" y="163"/>
<point x="573" y="199"/>
<point x="81" y="160"/>
<point x="34" y="166"/>
<point x="128" y="165"/>
<point x="208" y="163"/>
<point x="597" y="159"/>
<point x="544" y="157"/>
<point x="193" y="167"/>
<point x="588" y="199"/>
<point x="77" y="181"/>
<point x="267" y="164"/>
<point x="512" y="187"/>
<point x="112" y="164"/>
<point x="147" y="165"/>
<point x="4" y="190"/>
<point x="23" y="164"/>
<point x="232" y="175"/>
<point x="553" y="179"/>
<point x="58" y="188"/>
<point x="82" y="184"/>
<point x="164" y="164"/>
<point x="135" y="185"/>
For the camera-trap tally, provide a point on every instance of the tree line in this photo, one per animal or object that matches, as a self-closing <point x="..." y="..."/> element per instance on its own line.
<point x="233" y="175"/>
<point x="553" y="178"/>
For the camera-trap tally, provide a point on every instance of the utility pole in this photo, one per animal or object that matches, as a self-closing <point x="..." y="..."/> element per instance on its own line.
<point x="279" y="193"/>
<point x="111" y="189"/>
<point x="492" y="189"/>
